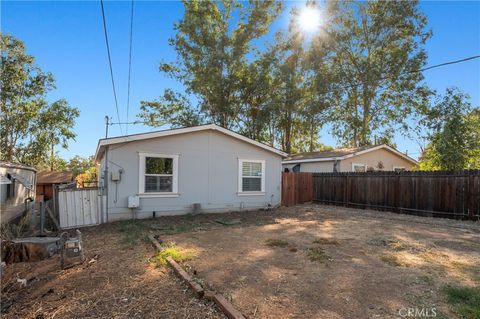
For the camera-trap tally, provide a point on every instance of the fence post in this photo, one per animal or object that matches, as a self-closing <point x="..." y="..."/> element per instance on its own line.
<point x="471" y="196"/>
<point x="42" y="218"/>
<point x="347" y="190"/>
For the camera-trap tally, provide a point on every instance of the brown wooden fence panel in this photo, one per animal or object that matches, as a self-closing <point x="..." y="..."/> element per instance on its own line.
<point x="451" y="194"/>
<point x="297" y="188"/>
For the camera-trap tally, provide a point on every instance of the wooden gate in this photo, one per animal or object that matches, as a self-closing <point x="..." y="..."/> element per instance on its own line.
<point x="79" y="207"/>
<point x="297" y="188"/>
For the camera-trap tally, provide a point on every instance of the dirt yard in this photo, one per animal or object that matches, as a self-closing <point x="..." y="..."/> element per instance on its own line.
<point x="308" y="261"/>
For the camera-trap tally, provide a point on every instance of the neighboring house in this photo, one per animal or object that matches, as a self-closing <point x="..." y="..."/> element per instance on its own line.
<point x="357" y="159"/>
<point x="17" y="190"/>
<point x="47" y="180"/>
<point x="203" y="168"/>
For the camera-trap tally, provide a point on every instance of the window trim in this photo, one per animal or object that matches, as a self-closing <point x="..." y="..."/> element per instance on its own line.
<point x="365" y="166"/>
<point x="240" y="177"/>
<point x="399" y="167"/>
<point x="141" y="175"/>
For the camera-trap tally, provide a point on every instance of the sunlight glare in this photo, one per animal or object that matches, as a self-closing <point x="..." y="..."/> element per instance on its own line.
<point x="309" y="19"/>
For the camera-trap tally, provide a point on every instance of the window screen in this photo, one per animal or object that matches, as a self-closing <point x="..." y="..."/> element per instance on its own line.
<point x="359" y="168"/>
<point x="158" y="174"/>
<point x="251" y="177"/>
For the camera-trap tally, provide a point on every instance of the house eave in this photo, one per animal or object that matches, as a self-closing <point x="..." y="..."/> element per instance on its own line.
<point x="102" y="143"/>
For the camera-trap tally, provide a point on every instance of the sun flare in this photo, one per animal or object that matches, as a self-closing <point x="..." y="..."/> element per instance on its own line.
<point x="309" y="19"/>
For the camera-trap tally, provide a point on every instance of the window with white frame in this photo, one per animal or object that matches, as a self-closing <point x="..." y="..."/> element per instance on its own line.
<point x="359" y="167"/>
<point x="158" y="174"/>
<point x="251" y="176"/>
<point x="399" y="169"/>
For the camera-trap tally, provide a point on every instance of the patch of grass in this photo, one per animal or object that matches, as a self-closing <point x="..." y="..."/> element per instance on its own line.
<point x="426" y="279"/>
<point x="465" y="301"/>
<point x="273" y="242"/>
<point x="133" y="232"/>
<point x="318" y="254"/>
<point x="171" y="250"/>
<point x="391" y="242"/>
<point x="325" y="241"/>
<point x="391" y="259"/>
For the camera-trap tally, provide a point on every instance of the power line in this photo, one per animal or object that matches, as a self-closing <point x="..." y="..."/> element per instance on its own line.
<point x="344" y="87"/>
<point x="129" y="65"/>
<point x="415" y="71"/>
<point x="110" y="63"/>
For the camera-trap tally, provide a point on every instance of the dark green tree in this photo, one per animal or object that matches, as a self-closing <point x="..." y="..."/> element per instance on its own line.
<point x="213" y="42"/>
<point x="378" y="54"/>
<point x="454" y="134"/>
<point x="31" y="127"/>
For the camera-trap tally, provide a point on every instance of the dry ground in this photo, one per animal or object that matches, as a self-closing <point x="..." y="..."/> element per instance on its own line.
<point x="121" y="283"/>
<point x="328" y="262"/>
<point x="308" y="261"/>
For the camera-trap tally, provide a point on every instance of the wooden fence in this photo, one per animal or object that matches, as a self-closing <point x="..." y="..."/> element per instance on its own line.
<point x="450" y="194"/>
<point x="297" y="188"/>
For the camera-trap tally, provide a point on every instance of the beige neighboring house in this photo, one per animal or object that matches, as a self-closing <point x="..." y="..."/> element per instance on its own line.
<point x="17" y="190"/>
<point x="358" y="159"/>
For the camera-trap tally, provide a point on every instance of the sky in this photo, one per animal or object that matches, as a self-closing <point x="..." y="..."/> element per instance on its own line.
<point x="67" y="39"/>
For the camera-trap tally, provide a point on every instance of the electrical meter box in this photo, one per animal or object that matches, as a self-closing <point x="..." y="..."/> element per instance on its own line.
<point x="133" y="201"/>
<point x="116" y="176"/>
<point x="72" y="251"/>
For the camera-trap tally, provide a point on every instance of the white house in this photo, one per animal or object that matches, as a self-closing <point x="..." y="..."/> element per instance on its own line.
<point x="356" y="159"/>
<point x="203" y="168"/>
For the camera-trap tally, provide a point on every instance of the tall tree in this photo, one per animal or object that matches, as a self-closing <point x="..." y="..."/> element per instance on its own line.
<point x="454" y="134"/>
<point x="379" y="52"/>
<point x="213" y="42"/>
<point x="30" y="126"/>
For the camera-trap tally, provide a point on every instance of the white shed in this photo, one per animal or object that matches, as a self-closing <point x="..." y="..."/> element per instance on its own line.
<point x="203" y="168"/>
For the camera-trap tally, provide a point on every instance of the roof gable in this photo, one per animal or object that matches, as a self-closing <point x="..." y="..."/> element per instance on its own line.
<point x="103" y="143"/>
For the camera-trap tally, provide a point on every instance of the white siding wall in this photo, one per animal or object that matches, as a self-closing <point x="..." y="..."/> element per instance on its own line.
<point x="207" y="174"/>
<point x="314" y="167"/>
<point x="13" y="207"/>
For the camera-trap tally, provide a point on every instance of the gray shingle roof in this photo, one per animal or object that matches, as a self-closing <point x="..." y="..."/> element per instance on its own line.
<point x="339" y="152"/>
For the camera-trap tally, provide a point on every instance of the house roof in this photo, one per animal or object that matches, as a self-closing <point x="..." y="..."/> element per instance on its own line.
<point x="18" y="166"/>
<point x="341" y="154"/>
<point x="47" y="177"/>
<point x="102" y="143"/>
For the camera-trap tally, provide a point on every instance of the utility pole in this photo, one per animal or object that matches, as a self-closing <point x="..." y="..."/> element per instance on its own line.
<point x="106" y="125"/>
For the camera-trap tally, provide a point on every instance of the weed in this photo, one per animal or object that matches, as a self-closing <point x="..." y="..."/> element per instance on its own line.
<point x="325" y="241"/>
<point x="391" y="259"/>
<point x="318" y="254"/>
<point x="465" y="301"/>
<point x="171" y="250"/>
<point x="271" y="242"/>
<point x="392" y="243"/>
<point x="133" y="232"/>
<point x="13" y="230"/>
<point x="426" y="279"/>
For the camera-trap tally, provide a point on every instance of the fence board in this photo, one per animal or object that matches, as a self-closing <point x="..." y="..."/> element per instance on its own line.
<point x="452" y="194"/>
<point x="79" y="207"/>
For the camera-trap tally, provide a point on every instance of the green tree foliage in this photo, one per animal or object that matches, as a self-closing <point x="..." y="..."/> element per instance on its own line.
<point x="454" y="134"/>
<point x="378" y="53"/>
<point x="31" y="127"/>
<point x="213" y="41"/>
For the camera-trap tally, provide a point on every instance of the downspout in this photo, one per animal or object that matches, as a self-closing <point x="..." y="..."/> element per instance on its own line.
<point x="106" y="183"/>
<point x="335" y="165"/>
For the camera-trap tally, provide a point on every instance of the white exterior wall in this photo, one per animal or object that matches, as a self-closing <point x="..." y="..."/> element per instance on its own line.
<point x="313" y="167"/>
<point x="11" y="208"/>
<point x="207" y="174"/>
